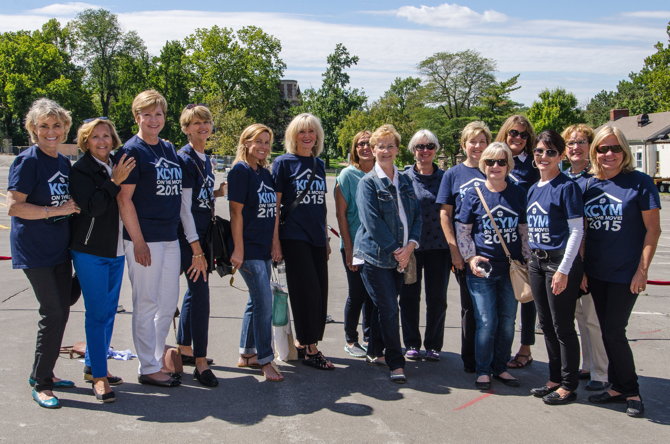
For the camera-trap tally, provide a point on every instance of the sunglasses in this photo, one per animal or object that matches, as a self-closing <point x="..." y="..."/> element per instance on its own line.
<point x="91" y="119"/>
<point x="541" y="151"/>
<point x="491" y="162"/>
<point x="603" y="149"/>
<point x="577" y="142"/>
<point x="422" y="147"/>
<point x="193" y="105"/>
<point x="514" y="133"/>
<point x="362" y="144"/>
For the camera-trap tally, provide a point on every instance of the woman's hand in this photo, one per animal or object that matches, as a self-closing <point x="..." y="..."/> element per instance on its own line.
<point x="69" y="207"/>
<point x="585" y="284"/>
<point x="349" y="258"/>
<point x="403" y="254"/>
<point x="473" y="261"/>
<point x="277" y="255"/>
<point x="221" y="191"/>
<point x="559" y="282"/>
<point x="142" y="253"/>
<point x="122" y="169"/>
<point x="457" y="261"/>
<point x="237" y="258"/>
<point x="198" y="267"/>
<point x="639" y="282"/>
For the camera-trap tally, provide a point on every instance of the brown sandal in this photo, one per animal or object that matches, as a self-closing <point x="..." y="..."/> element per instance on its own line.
<point x="516" y="363"/>
<point x="248" y="364"/>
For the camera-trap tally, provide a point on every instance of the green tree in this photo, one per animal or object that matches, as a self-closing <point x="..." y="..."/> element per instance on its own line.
<point x="335" y="99"/>
<point x="656" y="75"/>
<point x="455" y="82"/>
<point x="229" y="125"/>
<point x="102" y="46"/>
<point x="495" y="103"/>
<point x="236" y="70"/>
<point x="555" y="110"/>
<point x="597" y="111"/>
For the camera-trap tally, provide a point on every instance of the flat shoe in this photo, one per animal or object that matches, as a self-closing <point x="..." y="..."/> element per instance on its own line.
<point x="355" y="350"/>
<point x="205" y="378"/>
<point x="374" y="361"/>
<point x="432" y="355"/>
<point x="413" y="354"/>
<point x="62" y="384"/>
<point x="596" y="386"/>
<point x="635" y="408"/>
<point x="398" y="378"/>
<point x="509" y="382"/>
<point x="104" y="397"/>
<point x="541" y="392"/>
<point x="247" y="364"/>
<point x="52" y="403"/>
<point x="112" y="380"/>
<point x="172" y="382"/>
<point x="483" y="385"/>
<point x="554" y="398"/>
<point x="606" y="398"/>
<point x="190" y="360"/>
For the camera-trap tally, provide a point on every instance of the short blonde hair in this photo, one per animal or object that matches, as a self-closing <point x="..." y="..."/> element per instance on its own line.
<point x="605" y="131"/>
<point x="248" y="135"/>
<point x="384" y="131"/>
<point x="192" y="112"/>
<point x="432" y="138"/>
<point x="495" y="151"/>
<point x="43" y="108"/>
<point x="473" y="129"/>
<point x="354" y="159"/>
<point x="301" y="122"/>
<point x="578" y="128"/>
<point x="518" y="119"/>
<point x="85" y="131"/>
<point x="148" y="99"/>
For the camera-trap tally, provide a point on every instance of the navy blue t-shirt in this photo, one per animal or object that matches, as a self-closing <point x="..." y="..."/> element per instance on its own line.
<point x="158" y="181"/>
<point x="549" y="208"/>
<point x="307" y="221"/>
<point x="509" y="210"/>
<point x="198" y="175"/>
<point x="426" y="187"/>
<point x="45" y="181"/>
<point x="456" y="182"/>
<point x="524" y="173"/>
<point x="579" y="178"/>
<point x="255" y="190"/>
<point x="615" y="230"/>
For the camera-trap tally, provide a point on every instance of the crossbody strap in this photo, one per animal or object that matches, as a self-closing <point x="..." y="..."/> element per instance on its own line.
<point x="493" y="222"/>
<point x="197" y="160"/>
<point x="301" y="196"/>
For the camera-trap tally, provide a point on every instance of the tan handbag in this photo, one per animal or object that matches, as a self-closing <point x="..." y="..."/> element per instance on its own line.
<point x="518" y="272"/>
<point x="410" y="270"/>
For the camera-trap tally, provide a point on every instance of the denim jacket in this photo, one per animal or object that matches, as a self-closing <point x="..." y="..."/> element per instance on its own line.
<point x="381" y="232"/>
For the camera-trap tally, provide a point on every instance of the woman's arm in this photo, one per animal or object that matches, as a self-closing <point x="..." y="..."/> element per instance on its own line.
<point x="343" y="225"/>
<point x="237" y="226"/>
<point x="17" y="206"/>
<point x="652" y="222"/>
<point x="199" y="262"/>
<point x="277" y="255"/>
<point x="447" y="222"/>
<point x="132" y="224"/>
<point x="467" y="249"/>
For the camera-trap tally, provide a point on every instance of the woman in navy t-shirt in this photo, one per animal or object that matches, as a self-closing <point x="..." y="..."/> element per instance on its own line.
<point x="517" y="132"/>
<point x="488" y="266"/>
<point x="622" y="209"/>
<point x="458" y="179"/>
<point x="303" y="233"/>
<point x="254" y="223"/>
<point x="555" y="228"/>
<point x="39" y="202"/>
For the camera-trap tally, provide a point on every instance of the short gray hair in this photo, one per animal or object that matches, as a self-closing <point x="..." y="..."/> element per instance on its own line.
<point x="432" y="138"/>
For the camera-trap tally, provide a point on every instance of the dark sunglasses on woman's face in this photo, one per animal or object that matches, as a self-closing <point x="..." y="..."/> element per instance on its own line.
<point x="427" y="146"/>
<point x="514" y="133"/>
<point x="549" y="152"/>
<point x="603" y="149"/>
<point x="500" y="162"/>
<point x="362" y="144"/>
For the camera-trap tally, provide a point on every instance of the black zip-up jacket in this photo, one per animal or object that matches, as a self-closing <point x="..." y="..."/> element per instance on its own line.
<point x="96" y="229"/>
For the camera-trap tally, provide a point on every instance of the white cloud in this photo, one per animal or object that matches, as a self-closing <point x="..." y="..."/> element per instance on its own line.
<point x="64" y="9"/>
<point x="449" y="15"/>
<point x="648" y="14"/>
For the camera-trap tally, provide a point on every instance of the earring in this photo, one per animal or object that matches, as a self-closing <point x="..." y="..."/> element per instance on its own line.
<point x="532" y="162"/>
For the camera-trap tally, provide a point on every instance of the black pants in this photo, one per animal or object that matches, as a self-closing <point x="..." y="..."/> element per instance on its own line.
<point x="307" y="279"/>
<point x="194" y="316"/>
<point x="434" y="265"/>
<point x="528" y="317"/>
<point x="468" y="324"/>
<point x="614" y="304"/>
<point x="357" y="300"/>
<point x="557" y="318"/>
<point x="52" y="289"/>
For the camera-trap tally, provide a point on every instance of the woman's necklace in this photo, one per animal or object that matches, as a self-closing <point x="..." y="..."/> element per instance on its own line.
<point x="154" y="152"/>
<point x="572" y="175"/>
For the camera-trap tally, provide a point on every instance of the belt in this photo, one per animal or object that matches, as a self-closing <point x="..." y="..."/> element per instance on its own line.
<point x="548" y="254"/>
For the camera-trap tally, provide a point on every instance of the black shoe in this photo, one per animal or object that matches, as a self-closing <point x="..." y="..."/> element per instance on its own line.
<point x="541" y="392"/>
<point x="399" y="378"/>
<point x="635" y="408"/>
<point x="190" y="360"/>
<point x="509" y="382"/>
<point x="483" y="385"/>
<point x="596" y="386"/>
<point x="145" y="379"/>
<point x="206" y="378"/>
<point x="554" y="398"/>
<point x="606" y="398"/>
<point x="104" y="397"/>
<point x="112" y="380"/>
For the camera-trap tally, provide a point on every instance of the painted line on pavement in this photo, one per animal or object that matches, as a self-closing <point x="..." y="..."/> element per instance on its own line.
<point x="468" y="404"/>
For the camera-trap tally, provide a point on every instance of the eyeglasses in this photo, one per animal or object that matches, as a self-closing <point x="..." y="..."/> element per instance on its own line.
<point x="385" y="147"/>
<point x="541" y="151"/>
<point x="193" y="105"/>
<point x="500" y="162"/>
<point x="91" y="119"/>
<point x="514" y="133"/>
<point x="603" y="149"/>
<point x="422" y="147"/>
<point x="577" y="142"/>
<point x="362" y="144"/>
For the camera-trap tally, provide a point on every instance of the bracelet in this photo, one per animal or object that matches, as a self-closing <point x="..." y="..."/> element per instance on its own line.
<point x="46" y="212"/>
<point x="198" y="255"/>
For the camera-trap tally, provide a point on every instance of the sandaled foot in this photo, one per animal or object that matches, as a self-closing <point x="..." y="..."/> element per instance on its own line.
<point x="319" y="361"/>
<point x="250" y="361"/>
<point x="520" y="361"/>
<point x="271" y="372"/>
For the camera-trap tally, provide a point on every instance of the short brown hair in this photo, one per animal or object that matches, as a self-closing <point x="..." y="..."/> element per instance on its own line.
<point x="84" y="132"/>
<point x="578" y="128"/>
<point x="517" y="119"/>
<point x="42" y="108"/>
<point x="472" y="130"/>
<point x="384" y="131"/>
<point x="194" y="112"/>
<point x="148" y="99"/>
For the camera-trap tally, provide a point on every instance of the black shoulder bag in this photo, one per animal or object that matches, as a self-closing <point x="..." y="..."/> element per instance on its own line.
<point x="287" y="209"/>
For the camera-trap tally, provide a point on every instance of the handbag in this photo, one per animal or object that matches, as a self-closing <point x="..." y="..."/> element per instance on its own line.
<point x="279" y="301"/>
<point x="410" y="270"/>
<point x="518" y="271"/>
<point x="285" y="210"/>
<point x="172" y="362"/>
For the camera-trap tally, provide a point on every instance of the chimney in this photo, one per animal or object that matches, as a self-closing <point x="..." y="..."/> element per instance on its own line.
<point x="616" y="114"/>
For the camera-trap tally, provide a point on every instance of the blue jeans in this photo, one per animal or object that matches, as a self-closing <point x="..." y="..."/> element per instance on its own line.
<point x="194" y="316"/>
<point x="383" y="285"/>
<point x="256" y="336"/>
<point x="495" y="312"/>
<point x="357" y="301"/>
<point x="100" y="280"/>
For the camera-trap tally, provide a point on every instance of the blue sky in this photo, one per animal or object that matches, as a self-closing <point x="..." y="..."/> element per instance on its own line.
<point x="582" y="46"/>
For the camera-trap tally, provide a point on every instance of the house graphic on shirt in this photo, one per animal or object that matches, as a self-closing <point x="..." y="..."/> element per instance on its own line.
<point x="535" y="207"/>
<point x="537" y="216"/>
<point x="505" y="218"/>
<point x="58" y="177"/>
<point x="476" y="182"/>
<point x="59" y="187"/>
<point x="266" y="195"/>
<point x="301" y="181"/>
<point x="164" y="163"/>
<point x="603" y="206"/>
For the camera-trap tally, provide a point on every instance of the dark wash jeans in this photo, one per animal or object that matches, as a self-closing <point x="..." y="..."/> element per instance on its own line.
<point x="557" y="318"/>
<point x="194" y="316"/>
<point x="434" y="265"/>
<point x="357" y="300"/>
<point x="468" y="324"/>
<point x="614" y="303"/>
<point x="383" y="285"/>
